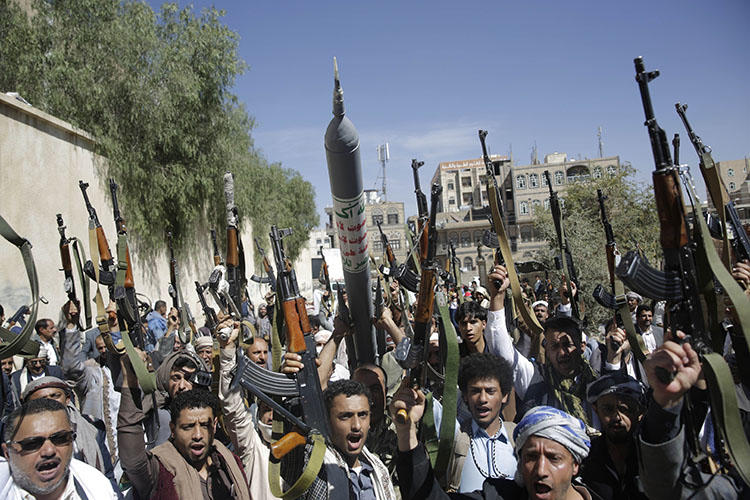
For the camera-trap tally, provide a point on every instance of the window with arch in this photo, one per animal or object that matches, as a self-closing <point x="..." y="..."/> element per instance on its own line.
<point x="611" y="170"/>
<point x="559" y="177"/>
<point x="544" y="181"/>
<point x="546" y="204"/>
<point x="393" y="218"/>
<point x="732" y="185"/>
<point x="468" y="263"/>
<point x="533" y="180"/>
<point x="453" y="238"/>
<point x="597" y="172"/>
<point x="524" y="208"/>
<point x="465" y="239"/>
<point x="477" y="237"/>
<point x="536" y="204"/>
<point x="730" y="172"/>
<point x="395" y="241"/>
<point x="377" y="217"/>
<point x="521" y="182"/>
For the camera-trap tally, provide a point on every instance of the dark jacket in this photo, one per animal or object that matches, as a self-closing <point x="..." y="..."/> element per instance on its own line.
<point x="600" y="474"/>
<point x="49" y="371"/>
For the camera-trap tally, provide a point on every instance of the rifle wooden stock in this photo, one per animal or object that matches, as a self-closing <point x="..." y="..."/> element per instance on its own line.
<point x="65" y="258"/>
<point x="423" y="240"/>
<point x="101" y="241"/>
<point x="297" y="323"/>
<point x="233" y="258"/>
<point x="674" y="230"/>
<point x="129" y="283"/>
<point x="287" y="443"/>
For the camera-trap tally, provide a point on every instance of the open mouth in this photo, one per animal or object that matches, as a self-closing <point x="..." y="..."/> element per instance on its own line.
<point x="354" y="441"/>
<point x="48" y="470"/>
<point x="197" y="449"/>
<point x="542" y="490"/>
<point x="482" y="412"/>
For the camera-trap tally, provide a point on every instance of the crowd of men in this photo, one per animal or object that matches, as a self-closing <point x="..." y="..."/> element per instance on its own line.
<point x="575" y="418"/>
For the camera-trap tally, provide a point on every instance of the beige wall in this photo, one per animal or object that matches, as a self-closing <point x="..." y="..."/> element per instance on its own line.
<point x="41" y="160"/>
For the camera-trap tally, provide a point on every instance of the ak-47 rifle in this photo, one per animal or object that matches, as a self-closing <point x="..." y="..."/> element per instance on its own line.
<point x="106" y="273"/>
<point x="400" y="272"/>
<point x="186" y="316"/>
<point x="410" y="353"/>
<point x="717" y="191"/>
<point x="269" y="278"/>
<point x="67" y="266"/>
<point x="693" y="260"/>
<point x="422" y="212"/>
<point x="212" y="321"/>
<point x="564" y="261"/>
<point x="172" y="289"/>
<point x="233" y="257"/>
<point x="124" y="285"/>
<point x="602" y="296"/>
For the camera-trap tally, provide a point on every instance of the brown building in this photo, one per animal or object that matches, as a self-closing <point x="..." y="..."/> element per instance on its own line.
<point x="734" y="174"/>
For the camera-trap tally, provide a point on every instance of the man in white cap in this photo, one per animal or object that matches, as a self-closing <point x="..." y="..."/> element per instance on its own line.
<point x="634" y="300"/>
<point x="549" y="445"/>
<point x="34" y="367"/>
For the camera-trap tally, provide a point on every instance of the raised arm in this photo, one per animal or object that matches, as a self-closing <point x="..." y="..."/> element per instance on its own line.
<point x="496" y="333"/>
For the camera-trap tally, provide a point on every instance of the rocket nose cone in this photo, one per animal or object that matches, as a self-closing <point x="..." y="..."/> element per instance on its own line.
<point x="338" y="92"/>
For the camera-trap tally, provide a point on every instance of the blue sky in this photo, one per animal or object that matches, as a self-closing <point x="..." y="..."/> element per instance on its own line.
<point x="424" y="76"/>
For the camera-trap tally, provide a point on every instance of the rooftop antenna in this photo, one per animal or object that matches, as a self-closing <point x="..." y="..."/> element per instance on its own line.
<point x="601" y="143"/>
<point x="384" y="154"/>
<point x="534" y="155"/>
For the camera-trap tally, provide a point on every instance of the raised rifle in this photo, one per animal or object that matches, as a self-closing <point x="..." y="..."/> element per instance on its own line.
<point x="564" y="261"/>
<point x="211" y="320"/>
<point x="106" y="272"/>
<point x="422" y="212"/>
<point x="400" y="272"/>
<point x="718" y="192"/>
<point x="186" y="316"/>
<point x="233" y="256"/>
<point x="410" y="353"/>
<point x="215" y="245"/>
<point x="269" y="278"/>
<point x="67" y="266"/>
<point x="172" y="289"/>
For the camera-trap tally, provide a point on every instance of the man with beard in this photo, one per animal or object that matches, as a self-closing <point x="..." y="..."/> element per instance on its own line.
<point x="611" y="469"/>
<point x="562" y="380"/>
<point x="191" y="464"/>
<point x="38" y="445"/>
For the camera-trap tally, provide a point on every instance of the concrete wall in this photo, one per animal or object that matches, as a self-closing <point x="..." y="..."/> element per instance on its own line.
<point x="41" y="161"/>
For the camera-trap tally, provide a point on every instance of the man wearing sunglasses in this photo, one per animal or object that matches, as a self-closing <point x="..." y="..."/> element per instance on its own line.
<point x="38" y="457"/>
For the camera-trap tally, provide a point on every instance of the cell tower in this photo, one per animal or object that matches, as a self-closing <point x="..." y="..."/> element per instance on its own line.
<point x="384" y="154"/>
<point x="601" y="143"/>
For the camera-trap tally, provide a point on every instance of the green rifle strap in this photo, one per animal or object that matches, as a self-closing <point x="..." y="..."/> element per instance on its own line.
<point x="726" y="413"/>
<point x="535" y="329"/>
<point x="122" y="267"/>
<point x="146" y="379"/>
<point x="637" y="346"/>
<point x="450" y="388"/>
<point x="275" y="340"/>
<point x="427" y="431"/>
<point x="309" y="473"/>
<point x="80" y="256"/>
<point x="13" y="344"/>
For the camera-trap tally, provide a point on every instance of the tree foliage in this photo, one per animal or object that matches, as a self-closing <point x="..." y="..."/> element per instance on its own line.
<point x="155" y="91"/>
<point x="632" y="212"/>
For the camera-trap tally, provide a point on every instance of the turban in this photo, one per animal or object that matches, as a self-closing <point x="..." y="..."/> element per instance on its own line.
<point x="554" y="424"/>
<point x="633" y="295"/>
<point x="43" y="383"/>
<point x="540" y="303"/>
<point x="615" y="383"/>
<point x="203" y="341"/>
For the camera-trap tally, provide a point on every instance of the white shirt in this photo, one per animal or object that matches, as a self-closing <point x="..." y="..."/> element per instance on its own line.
<point x="93" y="483"/>
<point x="51" y="353"/>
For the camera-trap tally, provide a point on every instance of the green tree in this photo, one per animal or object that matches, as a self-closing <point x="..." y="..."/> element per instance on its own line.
<point x="155" y="91"/>
<point x="632" y="212"/>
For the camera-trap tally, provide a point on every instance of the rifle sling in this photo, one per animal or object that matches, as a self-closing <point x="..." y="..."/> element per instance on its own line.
<point x="515" y="285"/>
<point x="718" y="376"/>
<point x="13" y="344"/>
<point x="80" y="255"/>
<point x="309" y="473"/>
<point x="450" y="388"/>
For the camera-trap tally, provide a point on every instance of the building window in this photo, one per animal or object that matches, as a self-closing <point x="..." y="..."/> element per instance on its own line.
<point x="392" y="218"/>
<point x="732" y="185"/>
<point x="533" y="181"/>
<point x="558" y="177"/>
<point x="597" y="173"/>
<point x="377" y="219"/>
<point x="377" y="245"/>
<point x="468" y="264"/>
<point x="527" y="234"/>
<point x="465" y="239"/>
<point x="536" y="204"/>
<point x="521" y="182"/>
<point x="524" y="208"/>
<point x="611" y="170"/>
<point x="451" y="201"/>
<point x="730" y="172"/>
<point x="395" y="241"/>
<point x="544" y="181"/>
<point x="450" y="186"/>
<point x="465" y="182"/>
<point x="318" y="241"/>
<point x="546" y="204"/>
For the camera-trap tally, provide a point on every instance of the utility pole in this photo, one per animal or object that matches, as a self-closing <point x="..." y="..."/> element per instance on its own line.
<point x="384" y="154"/>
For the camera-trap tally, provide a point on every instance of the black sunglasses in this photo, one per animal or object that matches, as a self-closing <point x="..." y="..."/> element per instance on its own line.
<point x="60" y="438"/>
